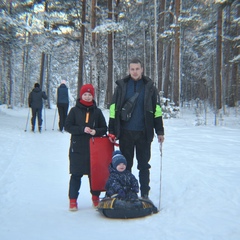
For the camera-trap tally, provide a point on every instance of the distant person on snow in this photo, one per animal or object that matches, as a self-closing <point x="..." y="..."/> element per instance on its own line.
<point x="62" y="104"/>
<point x="121" y="183"/>
<point x="35" y="102"/>
<point x="83" y="121"/>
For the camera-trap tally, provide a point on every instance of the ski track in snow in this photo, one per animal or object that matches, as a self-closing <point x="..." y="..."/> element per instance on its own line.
<point x="200" y="196"/>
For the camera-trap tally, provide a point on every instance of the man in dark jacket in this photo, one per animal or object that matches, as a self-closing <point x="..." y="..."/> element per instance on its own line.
<point x="35" y="101"/>
<point x="62" y="104"/>
<point x="138" y="132"/>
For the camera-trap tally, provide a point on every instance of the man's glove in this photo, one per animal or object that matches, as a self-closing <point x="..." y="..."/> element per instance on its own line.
<point x="112" y="138"/>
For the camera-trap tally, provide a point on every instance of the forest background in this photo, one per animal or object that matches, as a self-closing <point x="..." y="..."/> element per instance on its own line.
<point x="190" y="48"/>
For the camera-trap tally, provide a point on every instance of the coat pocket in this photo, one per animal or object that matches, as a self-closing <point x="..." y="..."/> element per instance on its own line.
<point x="75" y="146"/>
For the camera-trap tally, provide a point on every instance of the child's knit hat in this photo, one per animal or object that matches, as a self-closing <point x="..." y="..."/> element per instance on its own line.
<point x="118" y="158"/>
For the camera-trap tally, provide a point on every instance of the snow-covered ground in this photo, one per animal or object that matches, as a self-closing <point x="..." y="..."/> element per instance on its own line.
<point x="200" y="197"/>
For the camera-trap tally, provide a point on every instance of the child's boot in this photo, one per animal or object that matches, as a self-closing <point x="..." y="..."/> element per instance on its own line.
<point x="73" y="205"/>
<point x="95" y="200"/>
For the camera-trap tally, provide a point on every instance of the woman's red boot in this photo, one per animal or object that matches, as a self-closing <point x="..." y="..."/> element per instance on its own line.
<point x="73" y="205"/>
<point x="95" y="200"/>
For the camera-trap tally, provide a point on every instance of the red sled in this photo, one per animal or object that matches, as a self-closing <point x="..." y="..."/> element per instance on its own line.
<point x="101" y="150"/>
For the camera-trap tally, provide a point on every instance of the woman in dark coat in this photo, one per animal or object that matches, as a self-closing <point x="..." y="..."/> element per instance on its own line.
<point x="62" y="104"/>
<point x="83" y="121"/>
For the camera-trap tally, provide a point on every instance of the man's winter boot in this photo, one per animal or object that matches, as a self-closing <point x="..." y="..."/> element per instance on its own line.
<point x="145" y="197"/>
<point x="73" y="205"/>
<point x="95" y="200"/>
<point x="33" y="128"/>
<point x="40" y="129"/>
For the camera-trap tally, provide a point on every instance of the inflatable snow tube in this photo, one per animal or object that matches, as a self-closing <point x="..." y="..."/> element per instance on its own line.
<point x="116" y="208"/>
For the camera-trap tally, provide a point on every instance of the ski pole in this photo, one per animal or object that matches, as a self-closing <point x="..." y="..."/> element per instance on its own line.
<point x="45" y="117"/>
<point x="160" y="190"/>
<point x="54" y="119"/>
<point x="27" y="119"/>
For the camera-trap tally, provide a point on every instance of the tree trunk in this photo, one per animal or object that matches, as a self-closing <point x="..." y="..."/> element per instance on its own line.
<point x="110" y="60"/>
<point x="155" y="44"/>
<point x="26" y="65"/>
<point x="219" y="60"/>
<point x="81" y="54"/>
<point x="167" y="83"/>
<point x="4" y="86"/>
<point x="24" y="60"/>
<point x="226" y="57"/>
<point x="176" y="91"/>
<point x="48" y="81"/>
<point x="93" y="66"/>
<point x="2" y="74"/>
<point x="161" y="24"/>
<point x="9" y="53"/>
<point x="234" y="97"/>
<point x="9" y="77"/>
<point x="44" y="55"/>
<point x="42" y="70"/>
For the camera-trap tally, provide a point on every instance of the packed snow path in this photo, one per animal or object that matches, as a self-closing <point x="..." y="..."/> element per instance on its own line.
<point x="200" y="185"/>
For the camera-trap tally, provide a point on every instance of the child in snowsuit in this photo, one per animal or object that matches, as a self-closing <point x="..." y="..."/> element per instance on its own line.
<point x="83" y="121"/>
<point x="121" y="182"/>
